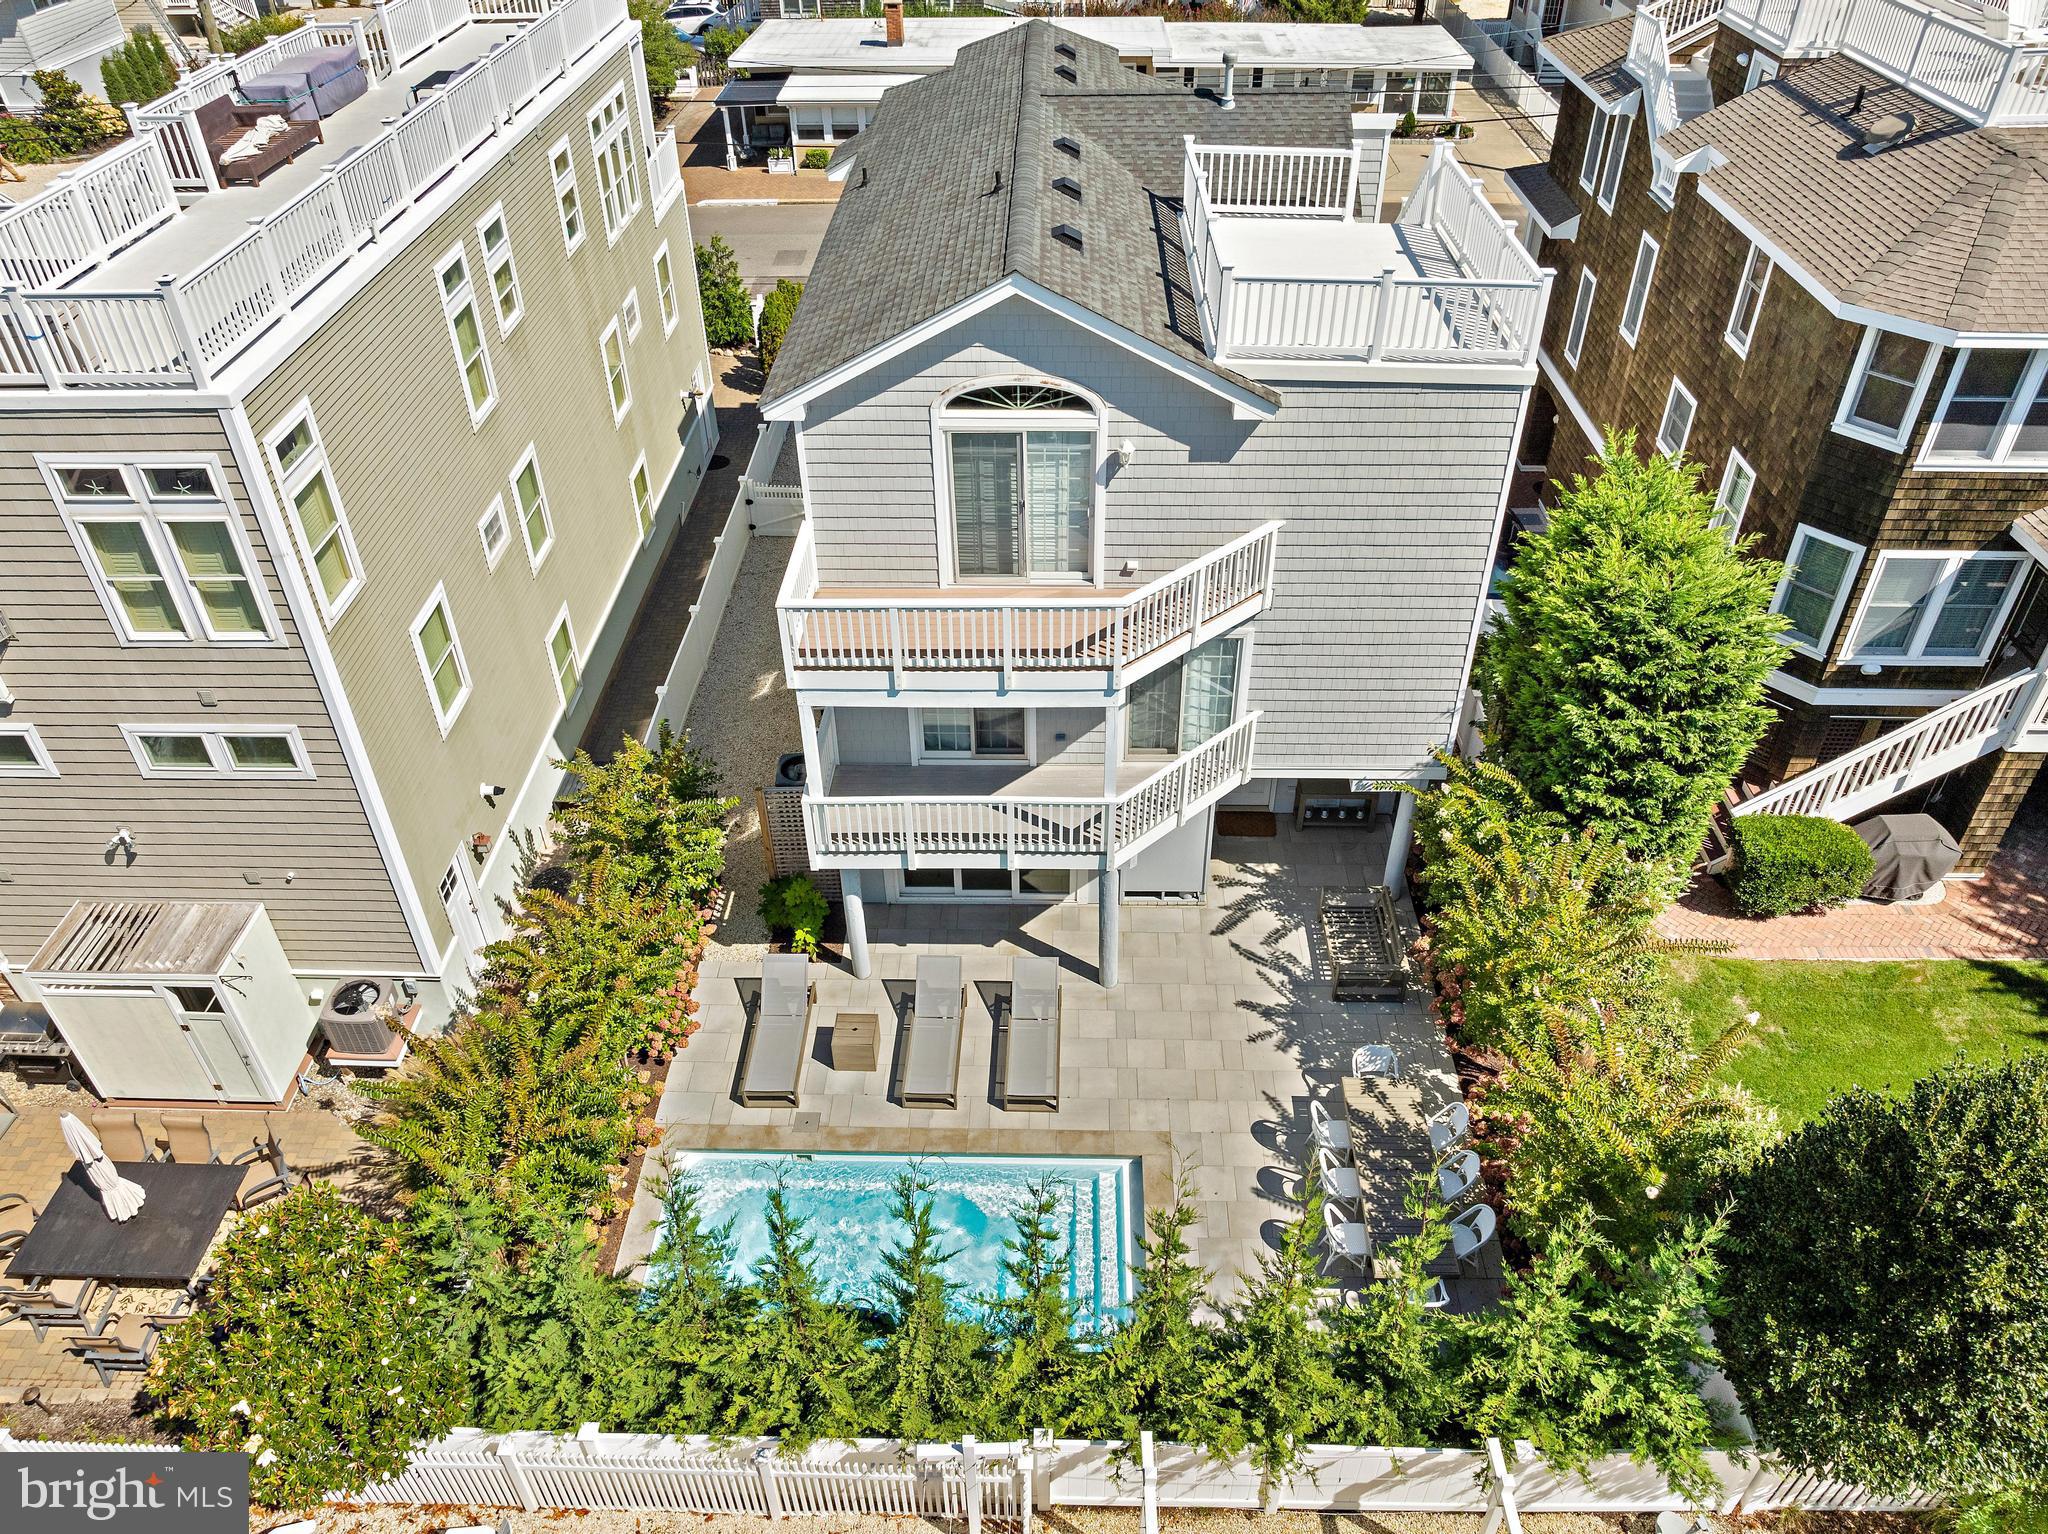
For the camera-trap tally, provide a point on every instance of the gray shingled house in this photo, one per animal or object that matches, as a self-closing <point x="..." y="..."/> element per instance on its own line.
<point x="1146" y="469"/>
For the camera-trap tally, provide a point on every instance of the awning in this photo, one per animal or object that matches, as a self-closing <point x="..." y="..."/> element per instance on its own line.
<point x="748" y="93"/>
<point x="2031" y="533"/>
<point x="838" y="90"/>
<point x="1556" y="214"/>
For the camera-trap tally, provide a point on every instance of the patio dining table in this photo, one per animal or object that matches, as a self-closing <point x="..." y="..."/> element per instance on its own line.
<point x="161" y="1247"/>
<point x="1390" y="1148"/>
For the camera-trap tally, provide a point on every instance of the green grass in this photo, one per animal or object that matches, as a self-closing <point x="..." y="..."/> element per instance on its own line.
<point x="1827" y="1027"/>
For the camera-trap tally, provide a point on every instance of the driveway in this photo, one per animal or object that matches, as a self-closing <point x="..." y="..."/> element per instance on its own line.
<point x="780" y="240"/>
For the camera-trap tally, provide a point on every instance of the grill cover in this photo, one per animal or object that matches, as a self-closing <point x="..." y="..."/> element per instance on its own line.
<point x="1913" y="852"/>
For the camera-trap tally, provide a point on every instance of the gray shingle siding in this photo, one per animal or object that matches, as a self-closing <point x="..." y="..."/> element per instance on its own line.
<point x="1391" y="495"/>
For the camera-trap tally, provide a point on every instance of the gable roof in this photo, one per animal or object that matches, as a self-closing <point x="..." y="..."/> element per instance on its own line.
<point x="952" y="195"/>
<point x="1595" y="57"/>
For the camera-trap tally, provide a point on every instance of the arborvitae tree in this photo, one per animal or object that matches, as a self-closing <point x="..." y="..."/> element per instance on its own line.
<point x="1625" y="686"/>
<point x="1387" y="1350"/>
<point x="138" y="71"/>
<point x="653" y="817"/>
<point x="1038" y="1361"/>
<point x="800" y="1368"/>
<point x="728" y="312"/>
<point x="694" y="1314"/>
<point x="931" y="1369"/>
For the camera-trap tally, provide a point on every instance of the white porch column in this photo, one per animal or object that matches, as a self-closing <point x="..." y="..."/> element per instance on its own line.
<point x="851" y="898"/>
<point x="1112" y="746"/>
<point x="1397" y="848"/>
<point x="1108" y="889"/>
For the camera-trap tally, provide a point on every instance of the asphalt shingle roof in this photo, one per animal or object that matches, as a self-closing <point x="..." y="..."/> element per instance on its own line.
<point x="1543" y="192"/>
<point x="1595" y="55"/>
<point x="951" y="192"/>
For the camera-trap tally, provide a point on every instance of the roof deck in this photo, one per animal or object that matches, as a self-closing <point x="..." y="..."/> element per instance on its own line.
<point x="1285" y="268"/>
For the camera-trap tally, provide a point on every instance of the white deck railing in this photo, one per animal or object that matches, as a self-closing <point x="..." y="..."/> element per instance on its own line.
<point x="193" y="324"/>
<point x="1953" y="736"/>
<point x="1986" y="79"/>
<point x="664" y="172"/>
<point x="1491" y="310"/>
<point x="1032" y="829"/>
<point x="1119" y="635"/>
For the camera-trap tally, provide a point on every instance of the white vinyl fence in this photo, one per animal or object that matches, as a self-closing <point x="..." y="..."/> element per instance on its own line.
<point x="1525" y="94"/>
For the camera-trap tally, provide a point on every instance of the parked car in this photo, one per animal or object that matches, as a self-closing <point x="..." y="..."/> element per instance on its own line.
<point x="691" y="17"/>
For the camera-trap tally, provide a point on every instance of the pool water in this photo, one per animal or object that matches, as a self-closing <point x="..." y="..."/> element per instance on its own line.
<point x="848" y="1206"/>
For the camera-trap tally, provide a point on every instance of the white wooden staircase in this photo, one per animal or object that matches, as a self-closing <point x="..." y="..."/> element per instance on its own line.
<point x="1672" y="93"/>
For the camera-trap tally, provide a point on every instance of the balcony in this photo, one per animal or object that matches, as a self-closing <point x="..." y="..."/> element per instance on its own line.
<point x="1283" y="268"/>
<point x="1015" y="822"/>
<point x="1961" y="56"/>
<point x="1092" y="641"/>
<point x="85" y="301"/>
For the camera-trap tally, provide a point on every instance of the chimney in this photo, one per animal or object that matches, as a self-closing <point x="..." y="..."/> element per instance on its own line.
<point x="892" y="23"/>
<point x="1229" y="81"/>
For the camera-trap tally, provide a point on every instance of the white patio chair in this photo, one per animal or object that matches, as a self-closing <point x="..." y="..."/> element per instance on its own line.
<point x="1348" y="1240"/>
<point x="1437" y="1296"/>
<point x="1457" y="1175"/>
<point x="1448" y="1128"/>
<point x="1339" y="1181"/>
<point x="1331" y="1134"/>
<point x="1375" y="1060"/>
<point x="1471" y="1230"/>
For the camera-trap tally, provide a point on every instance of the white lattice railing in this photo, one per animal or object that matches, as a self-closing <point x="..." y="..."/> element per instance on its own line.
<point x="1918" y="752"/>
<point x="1125" y="636"/>
<point x="1031" y="829"/>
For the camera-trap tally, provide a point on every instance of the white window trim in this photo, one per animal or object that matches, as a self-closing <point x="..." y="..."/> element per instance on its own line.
<point x="315" y="461"/>
<point x="1859" y="430"/>
<point x="1580" y="322"/>
<point x="640" y="471"/>
<point x="561" y="148"/>
<point x="671" y="306"/>
<point x="456" y="256"/>
<point x="919" y="756"/>
<point x="624" y="402"/>
<point x="562" y="621"/>
<point x="629" y="193"/>
<point x="1740" y="345"/>
<point x="419" y="651"/>
<point x="496" y="214"/>
<point x="1762" y="70"/>
<point x="1596" y="144"/>
<point x="1615" y="158"/>
<point x="1952" y="563"/>
<point x="1692" y="417"/>
<point x="1734" y="526"/>
<point x="495" y="509"/>
<point x="946" y="420"/>
<point x="1801" y="531"/>
<point x="1646" y="249"/>
<point x="46" y="765"/>
<point x="2034" y="379"/>
<point x="630" y="311"/>
<point x="534" y="557"/>
<point x="155" y="513"/>
<point x="215" y="738"/>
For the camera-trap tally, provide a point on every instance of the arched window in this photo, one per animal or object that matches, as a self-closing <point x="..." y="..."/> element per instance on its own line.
<point x="1020" y="461"/>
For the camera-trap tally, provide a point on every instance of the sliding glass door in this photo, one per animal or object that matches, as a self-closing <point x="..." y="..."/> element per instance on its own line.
<point x="1023" y="503"/>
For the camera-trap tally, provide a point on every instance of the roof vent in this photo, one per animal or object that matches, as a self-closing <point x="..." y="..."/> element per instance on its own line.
<point x="1067" y="146"/>
<point x="1065" y="50"/>
<point x="1067" y="75"/>
<point x="1067" y="234"/>
<point x="1885" y="133"/>
<point x="1068" y="185"/>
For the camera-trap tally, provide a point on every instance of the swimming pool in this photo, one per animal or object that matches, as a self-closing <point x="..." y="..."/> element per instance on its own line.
<point x="847" y="1203"/>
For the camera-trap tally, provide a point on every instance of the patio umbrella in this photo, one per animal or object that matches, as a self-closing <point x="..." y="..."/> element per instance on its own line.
<point x="123" y="1199"/>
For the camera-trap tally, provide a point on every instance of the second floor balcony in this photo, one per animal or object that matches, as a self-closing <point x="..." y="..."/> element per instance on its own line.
<point x="1283" y="268"/>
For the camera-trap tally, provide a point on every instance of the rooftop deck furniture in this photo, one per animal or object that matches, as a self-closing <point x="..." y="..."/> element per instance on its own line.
<point x="1448" y="1128"/>
<point x="1472" y="1230"/>
<point x="1031" y="1037"/>
<point x="928" y="1063"/>
<point x="1368" y="959"/>
<point x="779" y="1036"/>
<point x="161" y="1247"/>
<point x="120" y="1136"/>
<point x="222" y="121"/>
<point x="1458" y="1176"/>
<point x="308" y="86"/>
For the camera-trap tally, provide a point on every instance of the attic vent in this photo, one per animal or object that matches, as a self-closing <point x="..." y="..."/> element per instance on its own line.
<point x="1067" y="146"/>
<point x="1068" y="185"/>
<point x="1885" y="133"/>
<point x="1067" y="234"/>
<point x="1067" y="75"/>
<point x="1065" y="50"/>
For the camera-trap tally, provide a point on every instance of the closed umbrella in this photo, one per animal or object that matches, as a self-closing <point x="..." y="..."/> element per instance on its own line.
<point x="122" y="1198"/>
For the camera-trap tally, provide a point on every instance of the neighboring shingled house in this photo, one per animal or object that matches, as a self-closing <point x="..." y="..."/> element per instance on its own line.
<point x="1145" y="469"/>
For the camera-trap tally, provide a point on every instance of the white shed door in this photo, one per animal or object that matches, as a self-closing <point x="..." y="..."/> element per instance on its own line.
<point x="203" y="1017"/>
<point x="130" y="1043"/>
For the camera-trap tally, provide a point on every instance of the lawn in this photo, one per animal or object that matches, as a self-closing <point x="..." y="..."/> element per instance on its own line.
<point x="1827" y="1027"/>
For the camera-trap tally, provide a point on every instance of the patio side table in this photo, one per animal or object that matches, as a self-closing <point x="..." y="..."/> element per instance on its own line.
<point x="856" y="1041"/>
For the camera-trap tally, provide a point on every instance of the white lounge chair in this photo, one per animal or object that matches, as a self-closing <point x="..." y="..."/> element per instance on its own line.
<point x="1031" y="1036"/>
<point x="928" y="1064"/>
<point x="779" y="1036"/>
<point x="1331" y="1134"/>
<point x="1448" y="1129"/>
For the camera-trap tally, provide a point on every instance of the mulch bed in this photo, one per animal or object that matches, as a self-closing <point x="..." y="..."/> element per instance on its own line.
<point x="613" y="1235"/>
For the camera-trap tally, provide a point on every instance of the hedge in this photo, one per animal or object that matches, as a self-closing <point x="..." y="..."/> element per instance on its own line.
<point x="1786" y="863"/>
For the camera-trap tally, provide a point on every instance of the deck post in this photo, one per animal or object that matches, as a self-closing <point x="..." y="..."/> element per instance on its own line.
<point x="855" y="906"/>
<point x="970" y="1481"/>
<point x="1396" y="878"/>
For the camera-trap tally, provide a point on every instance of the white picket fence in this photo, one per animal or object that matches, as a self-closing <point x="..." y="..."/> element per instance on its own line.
<point x="1535" y="101"/>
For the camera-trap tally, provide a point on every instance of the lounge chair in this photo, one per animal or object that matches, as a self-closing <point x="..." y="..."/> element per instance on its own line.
<point x="772" y="1064"/>
<point x="1031" y="1041"/>
<point x="120" y="1136"/>
<point x="928" y="1064"/>
<point x="189" y="1137"/>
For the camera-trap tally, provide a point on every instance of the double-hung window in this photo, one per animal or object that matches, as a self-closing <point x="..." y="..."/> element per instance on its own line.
<point x="1732" y="502"/>
<point x="300" y="459"/>
<point x="165" y="549"/>
<point x="1818" y="573"/>
<point x="1749" y="301"/>
<point x="562" y="166"/>
<point x="963" y="733"/>
<point x="1639" y="290"/>
<point x="218" y="751"/>
<point x="496" y="240"/>
<point x="1676" y="426"/>
<point x="1994" y="413"/>
<point x="1021" y="466"/>
<point x="1610" y="170"/>
<point x="23" y="754"/>
<point x="1885" y="388"/>
<point x="562" y="658"/>
<point x="643" y="497"/>
<point x="665" y="290"/>
<point x="1582" y="316"/>
<point x="466" y="331"/>
<point x="530" y="502"/>
<point x="611" y="146"/>
<point x="1178" y="707"/>
<point x="435" y="643"/>
<point x="1935" y="609"/>
<point x="612" y="349"/>
<point x="1596" y="140"/>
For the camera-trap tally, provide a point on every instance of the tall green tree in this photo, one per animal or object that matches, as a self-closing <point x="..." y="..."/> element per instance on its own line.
<point x="1387" y="1351"/>
<point x="652" y="816"/>
<point x="1039" y="1364"/>
<point x="931" y="1368"/>
<point x="694" y="1314"/>
<point x="1625" y="686"/>
<point x="1887" y="1289"/>
<point x="728" y="312"/>
<point x="799" y="1368"/>
<point x="667" y="55"/>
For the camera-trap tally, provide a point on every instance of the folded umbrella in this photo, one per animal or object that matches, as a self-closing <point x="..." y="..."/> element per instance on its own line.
<point x="122" y="1198"/>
